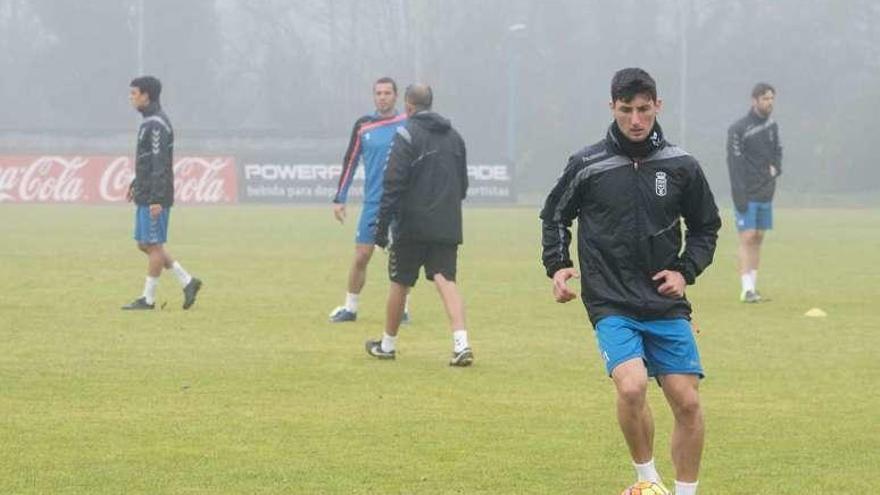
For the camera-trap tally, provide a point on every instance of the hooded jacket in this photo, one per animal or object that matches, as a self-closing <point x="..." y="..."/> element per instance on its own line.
<point x="752" y="146"/>
<point x="629" y="199"/>
<point x="425" y="182"/>
<point x="154" y="175"/>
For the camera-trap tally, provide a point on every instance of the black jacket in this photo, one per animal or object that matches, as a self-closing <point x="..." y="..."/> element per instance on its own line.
<point x="425" y="182"/>
<point x="752" y="146"/>
<point x="154" y="175"/>
<point x="629" y="225"/>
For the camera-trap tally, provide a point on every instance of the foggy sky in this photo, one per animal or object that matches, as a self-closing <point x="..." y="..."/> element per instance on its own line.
<point x="281" y="70"/>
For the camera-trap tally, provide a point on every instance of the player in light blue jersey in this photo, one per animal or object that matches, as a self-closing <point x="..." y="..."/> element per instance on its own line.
<point x="370" y="143"/>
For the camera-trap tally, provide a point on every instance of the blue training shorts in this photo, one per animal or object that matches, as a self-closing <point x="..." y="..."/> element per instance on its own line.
<point x="668" y="347"/>
<point x="758" y="216"/>
<point x="148" y="230"/>
<point x="367" y="224"/>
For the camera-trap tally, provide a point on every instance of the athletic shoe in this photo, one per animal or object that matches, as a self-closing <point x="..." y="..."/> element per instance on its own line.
<point x="463" y="358"/>
<point x="750" y="296"/>
<point x="190" y="291"/>
<point x="405" y="320"/>
<point x="341" y="314"/>
<point x="139" y="303"/>
<point x="374" y="348"/>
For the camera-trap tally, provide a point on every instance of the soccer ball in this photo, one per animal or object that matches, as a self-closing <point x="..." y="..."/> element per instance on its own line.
<point x="646" y="488"/>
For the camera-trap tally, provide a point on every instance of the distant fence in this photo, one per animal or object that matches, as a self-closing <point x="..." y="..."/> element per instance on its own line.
<point x="206" y="180"/>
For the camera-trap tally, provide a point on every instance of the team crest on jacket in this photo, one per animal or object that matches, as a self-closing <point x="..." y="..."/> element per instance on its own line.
<point x="660" y="183"/>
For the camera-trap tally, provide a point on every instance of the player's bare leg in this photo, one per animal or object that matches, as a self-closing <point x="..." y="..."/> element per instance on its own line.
<point x="155" y="260"/>
<point x="386" y="347"/>
<point x="749" y="257"/>
<point x="452" y="301"/>
<point x="394" y="308"/>
<point x="357" y="276"/>
<point x="756" y="257"/>
<point x="756" y="248"/>
<point x="462" y="355"/>
<point x="746" y="252"/>
<point x="682" y="393"/>
<point x="158" y="259"/>
<point x="633" y="412"/>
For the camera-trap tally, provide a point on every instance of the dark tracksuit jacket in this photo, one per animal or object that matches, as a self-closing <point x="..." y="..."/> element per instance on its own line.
<point x="752" y="146"/>
<point x="425" y="182"/>
<point x="629" y="213"/>
<point x="154" y="175"/>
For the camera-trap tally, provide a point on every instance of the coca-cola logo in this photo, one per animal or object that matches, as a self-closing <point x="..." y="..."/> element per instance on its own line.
<point x="199" y="180"/>
<point x="46" y="178"/>
<point x="107" y="179"/>
<point x="115" y="180"/>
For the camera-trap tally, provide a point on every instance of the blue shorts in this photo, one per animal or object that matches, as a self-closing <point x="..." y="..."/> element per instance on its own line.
<point x="758" y="216"/>
<point x="149" y="230"/>
<point x="667" y="346"/>
<point x="367" y="224"/>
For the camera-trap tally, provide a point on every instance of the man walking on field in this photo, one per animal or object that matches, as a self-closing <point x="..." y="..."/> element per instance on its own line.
<point x="153" y="192"/>
<point x="425" y="183"/>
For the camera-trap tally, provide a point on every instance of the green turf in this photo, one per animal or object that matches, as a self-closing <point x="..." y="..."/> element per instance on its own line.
<point x="253" y="392"/>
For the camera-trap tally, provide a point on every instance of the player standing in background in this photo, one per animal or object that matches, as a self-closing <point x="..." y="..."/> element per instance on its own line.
<point x="425" y="183"/>
<point x="629" y="193"/>
<point x="371" y="140"/>
<point x="152" y="190"/>
<point x="754" y="159"/>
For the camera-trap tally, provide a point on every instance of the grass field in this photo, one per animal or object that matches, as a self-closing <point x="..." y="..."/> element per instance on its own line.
<point x="253" y="392"/>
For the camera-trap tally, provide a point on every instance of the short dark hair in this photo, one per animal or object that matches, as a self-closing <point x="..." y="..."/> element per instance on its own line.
<point x="420" y="96"/>
<point x="149" y="85"/>
<point x="761" y="88"/>
<point x="386" y="80"/>
<point x="629" y="82"/>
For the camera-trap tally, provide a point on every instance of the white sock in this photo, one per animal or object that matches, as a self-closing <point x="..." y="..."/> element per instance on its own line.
<point x="150" y="289"/>
<point x="647" y="471"/>
<point x="351" y="302"/>
<point x="182" y="276"/>
<point x="747" y="283"/>
<point x="406" y="305"/>
<point x="754" y="275"/>
<point x="682" y="488"/>
<point x="459" y="340"/>
<point x="388" y="342"/>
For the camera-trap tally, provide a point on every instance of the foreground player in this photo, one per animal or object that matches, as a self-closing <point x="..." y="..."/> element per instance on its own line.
<point x="754" y="159"/>
<point x="153" y="192"/>
<point x="371" y="139"/>
<point x="425" y="183"/>
<point x="629" y="193"/>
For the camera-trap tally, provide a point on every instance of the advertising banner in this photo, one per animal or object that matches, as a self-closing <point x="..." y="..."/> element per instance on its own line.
<point x="105" y="179"/>
<point x="278" y="182"/>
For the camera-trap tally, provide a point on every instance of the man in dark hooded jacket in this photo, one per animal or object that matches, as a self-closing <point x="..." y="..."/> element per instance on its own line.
<point x="754" y="159"/>
<point x="152" y="190"/>
<point x="424" y="185"/>
<point x="629" y="193"/>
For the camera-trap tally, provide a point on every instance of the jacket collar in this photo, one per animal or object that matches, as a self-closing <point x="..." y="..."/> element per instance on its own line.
<point x="152" y="109"/>
<point x="754" y="115"/>
<point x="621" y="145"/>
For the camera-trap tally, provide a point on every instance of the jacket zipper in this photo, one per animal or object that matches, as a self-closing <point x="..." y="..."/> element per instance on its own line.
<point x="637" y="211"/>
